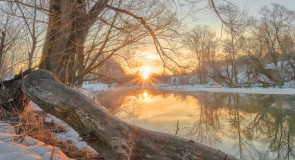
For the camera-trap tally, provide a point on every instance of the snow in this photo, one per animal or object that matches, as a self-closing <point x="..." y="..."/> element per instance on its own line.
<point x="94" y="87"/>
<point x="8" y="76"/>
<point x="220" y="88"/>
<point x="90" y="90"/>
<point x="288" y="88"/>
<point x="13" y="147"/>
<point x="27" y="148"/>
<point x="31" y="149"/>
<point x="69" y="135"/>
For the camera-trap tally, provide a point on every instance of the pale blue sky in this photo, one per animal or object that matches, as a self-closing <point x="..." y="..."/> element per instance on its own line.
<point x="253" y="6"/>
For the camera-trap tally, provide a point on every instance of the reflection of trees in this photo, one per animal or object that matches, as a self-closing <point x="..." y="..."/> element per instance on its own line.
<point x="281" y="139"/>
<point x="280" y="134"/>
<point x="237" y="123"/>
<point x="249" y="119"/>
<point x="276" y="124"/>
<point x="129" y="111"/>
<point x="206" y="122"/>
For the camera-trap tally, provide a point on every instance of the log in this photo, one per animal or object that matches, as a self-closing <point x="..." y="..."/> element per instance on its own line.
<point x="110" y="136"/>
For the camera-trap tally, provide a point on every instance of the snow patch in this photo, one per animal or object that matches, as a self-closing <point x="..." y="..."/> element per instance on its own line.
<point x="95" y="87"/>
<point x="26" y="148"/>
<point x="69" y="135"/>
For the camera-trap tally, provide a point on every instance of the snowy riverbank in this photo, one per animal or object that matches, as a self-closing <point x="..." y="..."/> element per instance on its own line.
<point x="91" y="88"/>
<point x="219" y="88"/>
<point x="13" y="146"/>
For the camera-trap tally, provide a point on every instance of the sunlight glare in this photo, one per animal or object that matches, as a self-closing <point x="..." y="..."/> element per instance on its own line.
<point x="145" y="94"/>
<point x="145" y="75"/>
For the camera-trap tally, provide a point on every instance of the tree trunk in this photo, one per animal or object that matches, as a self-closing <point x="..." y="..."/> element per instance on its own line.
<point x="2" y="45"/>
<point x="65" y="37"/>
<point x="111" y="137"/>
<point x="12" y="98"/>
<point x="68" y="27"/>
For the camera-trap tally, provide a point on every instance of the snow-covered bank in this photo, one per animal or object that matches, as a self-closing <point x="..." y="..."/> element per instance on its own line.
<point x="26" y="148"/>
<point x="256" y="90"/>
<point x="14" y="146"/>
<point x="87" y="89"/>
<point x="69" y="134"/>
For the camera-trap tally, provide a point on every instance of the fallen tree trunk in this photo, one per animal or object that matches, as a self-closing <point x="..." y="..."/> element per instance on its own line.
<point x="111" y="137"/>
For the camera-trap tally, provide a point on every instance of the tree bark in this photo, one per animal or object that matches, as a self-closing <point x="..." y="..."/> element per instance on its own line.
<point x="68" y="26"/>
<point x="12" y="98"/>
<point x="2" y="45"/>
<point x="111" y="137"/>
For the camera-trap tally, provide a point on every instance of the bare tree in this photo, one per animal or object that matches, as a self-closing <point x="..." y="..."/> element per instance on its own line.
<point x="236" y="26"/>
<point x="201" y="41"/>
<point x="273" y="26"/>
<point x="270" y="37"/>
<point x="10" y="38"/>
<point x="2" y="46"/>
<point x="31" y="27"/>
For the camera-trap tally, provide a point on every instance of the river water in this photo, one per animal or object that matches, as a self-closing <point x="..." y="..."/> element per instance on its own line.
<point x="248" y="126"/>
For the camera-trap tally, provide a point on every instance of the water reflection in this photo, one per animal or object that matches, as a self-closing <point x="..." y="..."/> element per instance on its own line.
<point x="249" y="126"/>
<point x="145" y="94"/>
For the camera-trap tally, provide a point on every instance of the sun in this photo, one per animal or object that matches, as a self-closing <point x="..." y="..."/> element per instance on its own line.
<point x="145" y="75"/>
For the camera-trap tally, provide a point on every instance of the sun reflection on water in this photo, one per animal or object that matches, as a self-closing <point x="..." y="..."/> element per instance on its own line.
<point x="145" y="94"/>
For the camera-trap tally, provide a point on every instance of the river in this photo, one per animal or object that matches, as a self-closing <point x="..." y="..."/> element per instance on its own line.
<point x="248" y="126"/>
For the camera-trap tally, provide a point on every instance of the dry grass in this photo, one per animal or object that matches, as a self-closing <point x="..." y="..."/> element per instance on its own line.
<point x="31" y="123"/>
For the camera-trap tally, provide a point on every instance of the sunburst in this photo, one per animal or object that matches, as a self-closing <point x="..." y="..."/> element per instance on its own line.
<point x="145" y="75"/>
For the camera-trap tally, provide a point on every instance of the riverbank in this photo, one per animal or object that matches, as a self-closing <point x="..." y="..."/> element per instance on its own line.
<point x="88" y="88"/>
<point x="219" y="88"/>
<point x="43" y="137"/>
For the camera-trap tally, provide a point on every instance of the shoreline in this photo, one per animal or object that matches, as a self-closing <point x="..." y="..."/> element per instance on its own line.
<point x="196" y="88"/>
<point x="253" y="90"/>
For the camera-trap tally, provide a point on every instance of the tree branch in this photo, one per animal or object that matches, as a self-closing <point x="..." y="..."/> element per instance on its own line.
<point x="158" y="46"/>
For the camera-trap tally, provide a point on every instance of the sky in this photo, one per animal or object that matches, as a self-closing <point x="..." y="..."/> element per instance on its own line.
<point x="253" y="7"/>
<point x="148" y="58"/>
